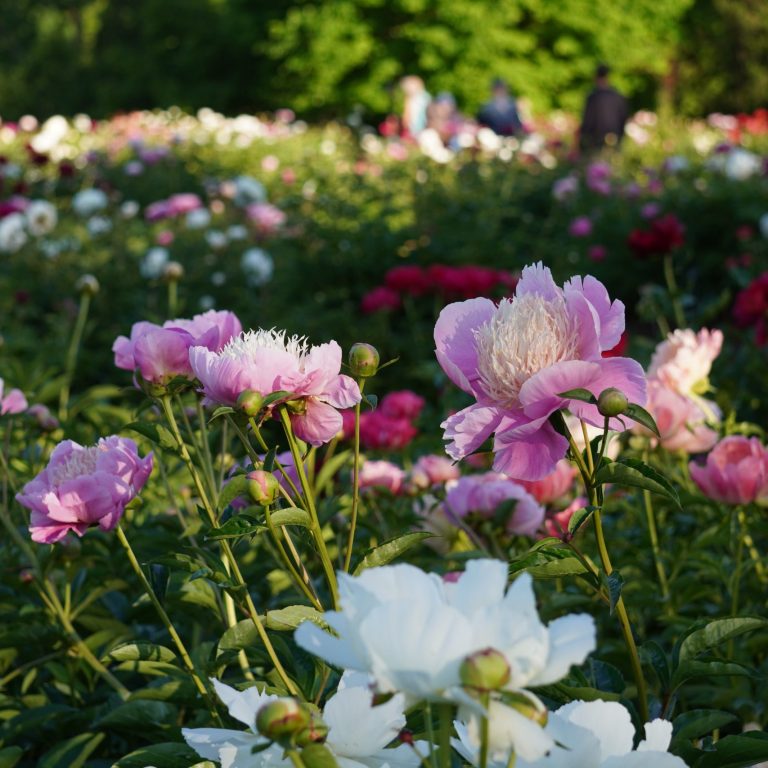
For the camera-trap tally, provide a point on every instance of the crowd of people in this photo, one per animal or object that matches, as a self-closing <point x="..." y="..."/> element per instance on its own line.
<point x="426" y="118"/>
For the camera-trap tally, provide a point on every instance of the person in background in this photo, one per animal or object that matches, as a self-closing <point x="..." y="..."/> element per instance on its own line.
<point x="605" y="113"/>
<point x="417" y="99"/>
<point x="500" y="113"/>
<point x="443" y="117"/>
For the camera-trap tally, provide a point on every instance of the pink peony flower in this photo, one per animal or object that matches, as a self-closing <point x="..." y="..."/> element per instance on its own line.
<point x="683" y="361"/>
<point x="483" y="494"/>
<point x="736" y="471"/>
<point x="162" y="352"/>
<point x="554" y="485"/>
<point x="381" y="474"/>
<point x="84" y="486"/>
<point x="581" y="226"/>
<point x="381" y="432"/>
<point x="13" y="402"/>
<point x="432" y="470"/>
<point x="379" y="300"/>
<point x="597" y="252"/>
<point x="268" y="218"/>
<point x="565" y="188"/>
<point x="556" y="523"/>
<point x="402" y="404"/>
<point x="681" y="420"/>
<point x="516" y="357"/>
<point x="267" y="362"/>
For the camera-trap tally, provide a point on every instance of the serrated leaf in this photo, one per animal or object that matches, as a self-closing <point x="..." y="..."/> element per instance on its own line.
<point x="641" y="416"/>
<point x="291" y="516"/>
<point x="584" y="395"/>
<point x="287" y="619"/>
<point x="389" y="550"/>
<point x="140" y="651"/>
<point x="239" y="525"/>
<point x="615" y="582"/>
<point x="636" y="474"/>
<point x="715" y="632"/>
<point x="578" y="518"/>
<point x="700" y="722"/>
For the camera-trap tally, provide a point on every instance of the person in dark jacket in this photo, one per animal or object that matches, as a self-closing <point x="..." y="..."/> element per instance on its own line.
<point x="500" y="113"/>
<point x="605" y="114"/>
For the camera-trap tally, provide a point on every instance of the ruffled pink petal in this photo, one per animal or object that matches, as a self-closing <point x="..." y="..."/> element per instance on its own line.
<point x="343" y="392"/>
<point x="14" y="402"/>
<point x="537" y="279"/>
<point x="44" y="531"/>
<point x="610" y="314"/>
<point x="587" y="325"/>
<point x="123" y="346"/>
<point x="455" y="340"/>
<point x="325" y="359"/>
<point x="163" y="353"/>
<point x="468" y="429"/>
<point x="528" y="456"/>
<point x="319" y="424"/>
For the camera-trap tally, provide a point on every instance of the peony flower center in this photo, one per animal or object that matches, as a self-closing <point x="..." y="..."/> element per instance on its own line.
<point x="525" y="335"/>
<point x="81" y="462"/>
<point x="248" y="343"/>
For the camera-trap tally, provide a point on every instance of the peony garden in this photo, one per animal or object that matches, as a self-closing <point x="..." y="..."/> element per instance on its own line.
<point x="327" y="449"/>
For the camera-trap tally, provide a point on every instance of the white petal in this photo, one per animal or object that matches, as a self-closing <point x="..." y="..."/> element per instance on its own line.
<point x="571" y="640"/>
<point x="207" y="742"/>
<point x="337" y="651"/>
<point x="609" y="721"/>
<point x="242" y="705"/>
<point x="658" y="735"/>
<point x="482" y="584"/>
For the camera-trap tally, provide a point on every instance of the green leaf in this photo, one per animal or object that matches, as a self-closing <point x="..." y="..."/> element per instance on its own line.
<point x="637" y="474"/>
<point x="329" y="470"/>
<point x="239" y="525"/>
<point x="584" y="395"/>
<point x="139" y="716"/>
<point x="641" y="416"/>
<point x="165" y="755"/>
<point x="241" y="635"/>
<point x="73" y="752"/>
<point x="235" y="487"/>
<point x="736" y="751"/>
<point x="318" y="756"/>
<point x="700" y="722"/>
<point x="615" y="582"/>
<point x="715" y="632"/>
<point x="690" y="670"/>
<point x="564" y="566"/>
<point x="156" y="433"/>
<point x="653" y="654"/>
<point x="578" y="518"/>
<point x="159" y="576"/>
<point x="389" y="550"/>
<point x="222" y="410"/>
<point x="140" y="651"/>
<point x="287" y="619"/>
<point x="371" y="401"/>
<point x="277" y="397"/>
<point x="9" y="756"/>
<point x="291" y="516"/>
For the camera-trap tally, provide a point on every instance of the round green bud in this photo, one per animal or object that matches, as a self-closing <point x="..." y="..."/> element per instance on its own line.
<point x="263" y="486"/>
<point x="87" y="284"/>
<point x="363" y="360"/>
<point x="527" y="706"/>
<point x="173" y="272"/>
<point x="282" y="718"/>
<point x="315" y="733"/>
<point x="250" y="402"/>
<point x="612" y="402"/>
<point x="486" y="670"/>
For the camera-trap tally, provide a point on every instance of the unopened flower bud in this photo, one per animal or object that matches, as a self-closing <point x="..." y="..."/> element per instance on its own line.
<point x="315" y="733"/>
<point x="282" y="718"/>
<point x="87" y="284"/>
<point x="363" y="360"/>
<point x="263" y="486"/>
<point x="250" y="402"/>
<point x="529" y="706"/>
<point x="173" y="272"/>
<point x="486" y="670"/>
<point x="612" y="402"/>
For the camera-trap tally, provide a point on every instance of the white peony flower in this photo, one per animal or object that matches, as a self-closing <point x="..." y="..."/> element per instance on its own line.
<point x="41" y="217"/>
<point x="258" y="266"/>
<point x="12" y="233"/>
<point x="129" y="209"/>
<point x="154" y="262"/>
<point x="248" y="190"/>
<point x="741" y="164"/>
<point x="89" y="201"/>
<point x="200" y="218"/>
<point x="237" y="232"/>
<point x="682" y="361"/>
<point x="215" y="238"/>
<point x="98" y="225"/>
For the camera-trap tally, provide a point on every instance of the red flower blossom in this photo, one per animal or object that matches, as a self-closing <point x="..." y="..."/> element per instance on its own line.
<point x="409" y="279"/>
<point x="381" y="299"/>
<point x="751" y="307"/>
<point x="665" y="235"/>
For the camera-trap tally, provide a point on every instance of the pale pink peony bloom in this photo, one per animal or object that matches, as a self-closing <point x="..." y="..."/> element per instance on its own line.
<point x="680" y="420"/>
<point x="555" y="485"/>
<point x="83" y="487"/>
<point x="556" y="523"/>
<point x="432" y="470"/>
<point x="12" y="402"/>
<point x="175" y="205"/>
<point x="269" y="361"/>
<point x="268" y="218"/>
<point x="483" y="494"/>
<point x="381" y="474"/>
<point x="515" y="359"/>
<point x="683" y="361"/>
<point x="162" y="352"/>
<point x="736" y="471"/>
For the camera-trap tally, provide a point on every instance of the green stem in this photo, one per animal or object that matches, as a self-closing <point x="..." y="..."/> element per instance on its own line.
<point x="295" y="758"/>
<point x="173" y="297"/>
<point x="74" y="348"/>
<point x="355" y="486"/>
<point x="166" y="621"/>
<point x="749" y="542"/>
<point x="446" y="724"/>
<point x="430" y="734"/>
<point x="674" y="291"/>
<point x="316" y="528"/>
<point x="207" y="457"/>
<point x="486" y="702"/>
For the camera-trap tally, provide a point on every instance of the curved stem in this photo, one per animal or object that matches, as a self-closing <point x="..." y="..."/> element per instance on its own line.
<point x="188" y="663"/>
<point x="74" y="348"/>
<point x="317" y="531"/>
<point x="355" y="486"/>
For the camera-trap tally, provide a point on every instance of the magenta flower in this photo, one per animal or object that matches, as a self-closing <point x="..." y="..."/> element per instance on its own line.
<point x="736" y="471"/>
<point x="266" y="217"/>
<point x="84" y="486"/>
<point x="13" y="402"/>
<point x="483" y="494"/>
<point x="581" y="226"/>
<point x="267" y="362"/>
<point x="162" y="352"/>
<point x="515" y="359"/>
<point x="402" y="404"/>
